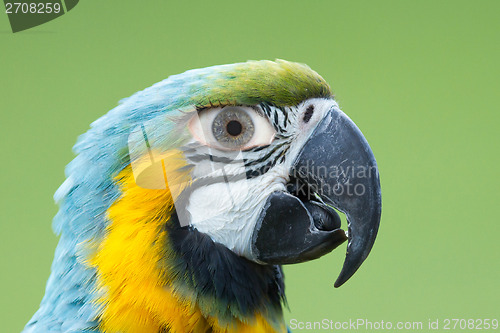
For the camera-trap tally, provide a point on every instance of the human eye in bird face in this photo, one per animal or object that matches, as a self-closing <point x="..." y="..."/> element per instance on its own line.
<point x="232" y="128"/>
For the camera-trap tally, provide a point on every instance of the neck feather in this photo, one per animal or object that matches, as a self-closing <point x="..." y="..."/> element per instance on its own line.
<point x="226" y="285"/>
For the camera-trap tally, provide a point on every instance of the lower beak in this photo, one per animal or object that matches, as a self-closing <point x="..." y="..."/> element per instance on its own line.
<point x="335" y="169"/>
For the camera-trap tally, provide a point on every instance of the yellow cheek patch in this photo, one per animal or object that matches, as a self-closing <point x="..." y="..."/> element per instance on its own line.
<point x="134" y="291"/>
<point x="159" y="170"/>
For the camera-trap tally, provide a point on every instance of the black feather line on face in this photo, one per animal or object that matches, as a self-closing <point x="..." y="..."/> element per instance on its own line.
<point x="253" y="173"/>
<point x="235" y="286"/>
<point x="271" y="111"/>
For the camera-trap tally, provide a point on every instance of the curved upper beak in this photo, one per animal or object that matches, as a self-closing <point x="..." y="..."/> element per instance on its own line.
<point x="338" y="169"/>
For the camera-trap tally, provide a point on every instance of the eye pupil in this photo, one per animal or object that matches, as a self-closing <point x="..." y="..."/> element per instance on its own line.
<point x="234" y="128"/>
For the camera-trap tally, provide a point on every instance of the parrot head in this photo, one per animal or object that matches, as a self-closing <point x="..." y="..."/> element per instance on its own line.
<point x="185" y="200"/>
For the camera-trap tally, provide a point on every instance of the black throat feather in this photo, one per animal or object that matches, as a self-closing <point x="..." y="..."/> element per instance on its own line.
<point x="225" y="286"/>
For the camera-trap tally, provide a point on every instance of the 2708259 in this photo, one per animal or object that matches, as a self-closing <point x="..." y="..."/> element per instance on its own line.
<point x="32" y="8"/>
<point x="470" y="324"/>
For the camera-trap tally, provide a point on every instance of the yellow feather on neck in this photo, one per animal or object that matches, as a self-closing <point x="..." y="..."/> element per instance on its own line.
<point x="134" y="291"/>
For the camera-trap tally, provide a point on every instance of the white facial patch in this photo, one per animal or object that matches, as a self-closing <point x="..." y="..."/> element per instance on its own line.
<point x="228" y="212"/>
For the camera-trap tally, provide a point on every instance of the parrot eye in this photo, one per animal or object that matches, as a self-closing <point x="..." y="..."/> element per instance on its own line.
<point x="231" y="128"/>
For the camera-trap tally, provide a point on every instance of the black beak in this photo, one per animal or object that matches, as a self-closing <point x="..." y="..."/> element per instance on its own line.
<point x="336" y="168"/>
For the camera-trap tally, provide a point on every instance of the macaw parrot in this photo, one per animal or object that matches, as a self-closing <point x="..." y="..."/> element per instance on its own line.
<point x="183" y="202"/>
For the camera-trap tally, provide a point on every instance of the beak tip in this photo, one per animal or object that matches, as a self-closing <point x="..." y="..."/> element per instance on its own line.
<point x="354" y="259"/>
<point x="343" y="277"/>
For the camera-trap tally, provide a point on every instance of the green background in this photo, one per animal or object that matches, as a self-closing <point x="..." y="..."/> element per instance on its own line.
<point x="420" y="78"/>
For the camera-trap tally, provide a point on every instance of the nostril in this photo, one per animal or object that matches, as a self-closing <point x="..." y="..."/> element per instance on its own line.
<point x="308" y="114"/>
